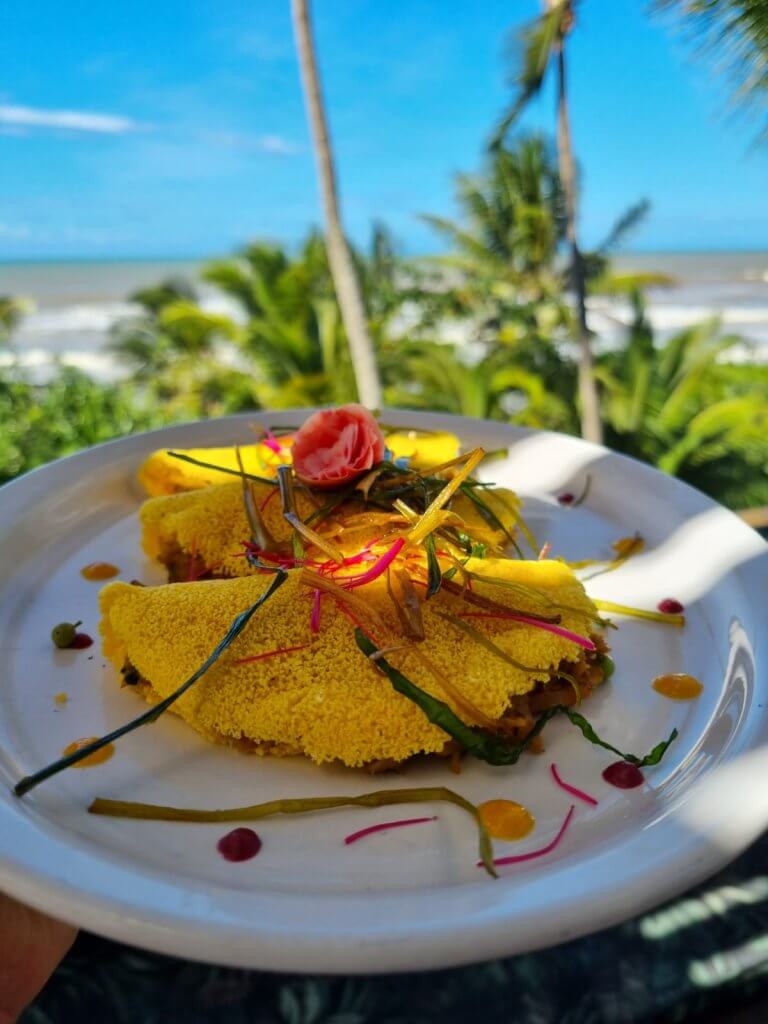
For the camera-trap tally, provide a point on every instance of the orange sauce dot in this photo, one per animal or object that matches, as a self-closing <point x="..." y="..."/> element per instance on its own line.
<point x="677" y="686"/>
<point x="504" y="819"/>
<point x="99" y="571"/>
<point x="97" y="757"/>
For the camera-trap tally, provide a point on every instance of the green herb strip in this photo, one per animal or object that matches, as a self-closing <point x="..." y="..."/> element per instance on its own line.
<point x="481" y="744"/>
<point x="221" y="469"/>
<point x="238" y="625"/>
<point x="380" y="798"/>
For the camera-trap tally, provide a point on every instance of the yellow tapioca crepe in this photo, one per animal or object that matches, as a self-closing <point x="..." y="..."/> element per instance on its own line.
<point x="208" y="527"/>
<point x="161" y="473"/>
<point x="327" y="700"/>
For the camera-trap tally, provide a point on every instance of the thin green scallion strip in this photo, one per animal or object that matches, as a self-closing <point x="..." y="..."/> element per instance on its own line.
<point x="238" y="625"/>
<point x="302" y="532"/>
<point x="221" y="469"/>
<point x="640" y="613"/>
<point x="260" y="535"/>
<point x="489" y="645"/>
<point x="535" y="595"/>
<point x="484" y="602"/>
<point x="434" y="573"/>
<point x="305" y="805"/>
<point x="490" y="516"/>
<point x="485" y="746"/>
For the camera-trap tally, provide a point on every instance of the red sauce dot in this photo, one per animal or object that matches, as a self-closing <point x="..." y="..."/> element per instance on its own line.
<point x="670" y="606"/>
<point x="81" y="641"/>
<point x="567" y="498"/>
<point x="623" y="775"/>
<point x="239" y="844"/>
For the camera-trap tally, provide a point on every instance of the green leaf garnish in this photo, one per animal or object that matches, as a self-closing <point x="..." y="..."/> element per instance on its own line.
<point x="488" y="644"/>
<point x="480" y="744"/>
<point x="301" y="805"/>
<point x="641" y="762"/>
<point x="222" y="469"/>
<point x="238" y="625"/>
<point x="489" y="515"/>
<point x="483" y="745"/>
<point x="434" y="574"/>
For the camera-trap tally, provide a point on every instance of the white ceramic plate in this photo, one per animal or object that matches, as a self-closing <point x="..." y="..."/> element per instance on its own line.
<point x="412" y="898"/>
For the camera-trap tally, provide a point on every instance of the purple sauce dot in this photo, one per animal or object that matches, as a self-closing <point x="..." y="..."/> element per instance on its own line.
<point x="239" y="844"/>
<point x="623" y="775"/>
<point x="567" y="498"/>
<point x="670" y="606"/>
<point x="81" y="641"/>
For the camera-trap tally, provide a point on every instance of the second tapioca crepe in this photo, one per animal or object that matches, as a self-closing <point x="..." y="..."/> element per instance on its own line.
<point x="325" y="699"/>
<point x="203" y="532"/>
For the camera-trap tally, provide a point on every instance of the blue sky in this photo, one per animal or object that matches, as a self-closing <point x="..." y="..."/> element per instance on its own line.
<point x="177" y="129"/>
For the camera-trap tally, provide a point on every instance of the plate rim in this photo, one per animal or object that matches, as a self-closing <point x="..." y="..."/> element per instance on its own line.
<point x="286" y="950"/>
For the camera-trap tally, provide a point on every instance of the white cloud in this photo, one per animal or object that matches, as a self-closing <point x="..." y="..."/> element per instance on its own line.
<point x="73" y="120"/>
<point x="278" y="145"/>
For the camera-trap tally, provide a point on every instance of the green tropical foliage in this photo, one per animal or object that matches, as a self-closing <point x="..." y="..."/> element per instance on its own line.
<point x="39" y="423"/>
<point x="11" y="311"/>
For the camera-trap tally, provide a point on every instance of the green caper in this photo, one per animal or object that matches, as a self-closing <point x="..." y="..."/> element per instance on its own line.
<point x="608" y="665"/>
<point x="64" y="634"/>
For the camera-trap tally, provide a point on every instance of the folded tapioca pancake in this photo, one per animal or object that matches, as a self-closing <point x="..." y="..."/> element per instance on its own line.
<point x="326" y="700"/>
<point x="161" y="473"/>
<point x="202" y="532"/>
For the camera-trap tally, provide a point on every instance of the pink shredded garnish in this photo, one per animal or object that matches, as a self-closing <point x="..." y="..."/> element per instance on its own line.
<point x="545" y="549"/>
<point x="383" y="826"/>
<point x="363" y="555"/>
<point x="271" y="654"/>
<point x="270" y="441"/>
<point x="578" y="793"/>
<point x="269" y="497"/>
<point x="520" y="857"/>
<point x="314" y="619"/>
<point x="550" y="627"/>
<point x="376" y="570"/>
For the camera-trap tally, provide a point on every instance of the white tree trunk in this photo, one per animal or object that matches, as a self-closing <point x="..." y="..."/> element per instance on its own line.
<point x="343" y="272"/>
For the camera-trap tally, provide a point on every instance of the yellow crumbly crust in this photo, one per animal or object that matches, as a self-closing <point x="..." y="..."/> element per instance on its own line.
<point x="163" y="474"/>
<point x="327" y="701"/>
<point x="211" y="523"/>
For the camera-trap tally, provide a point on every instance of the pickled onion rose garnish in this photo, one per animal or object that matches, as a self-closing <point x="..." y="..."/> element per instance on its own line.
<point x="336" y="445"/>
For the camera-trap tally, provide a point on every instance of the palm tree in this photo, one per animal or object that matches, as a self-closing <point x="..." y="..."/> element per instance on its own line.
<point x="342" y="267"/>
<point x="736" y="32"/>
<point x="544" y="46"/>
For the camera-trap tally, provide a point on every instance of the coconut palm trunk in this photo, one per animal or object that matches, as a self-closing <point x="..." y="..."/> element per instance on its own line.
<point x="345" y="281"/>
<point x="589" y="400"/>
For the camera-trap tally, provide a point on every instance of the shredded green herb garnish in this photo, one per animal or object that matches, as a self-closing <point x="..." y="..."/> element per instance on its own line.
<point x="260" y="535"/>
<point x="301" y="805"/>
<point x="488" y="644"/>
<point x="489" y="515"/>
<point x="238" y="625"/>
<point x="222" y="469"/>
<point x="434" y="574"/>
<point x="484" y="746"/>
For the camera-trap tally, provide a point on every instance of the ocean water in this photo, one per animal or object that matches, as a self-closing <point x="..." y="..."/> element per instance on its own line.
<point x="74" y="305"/>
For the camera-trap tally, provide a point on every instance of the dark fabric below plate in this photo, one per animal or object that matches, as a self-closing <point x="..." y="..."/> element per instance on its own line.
<point x="702" y="957"/>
